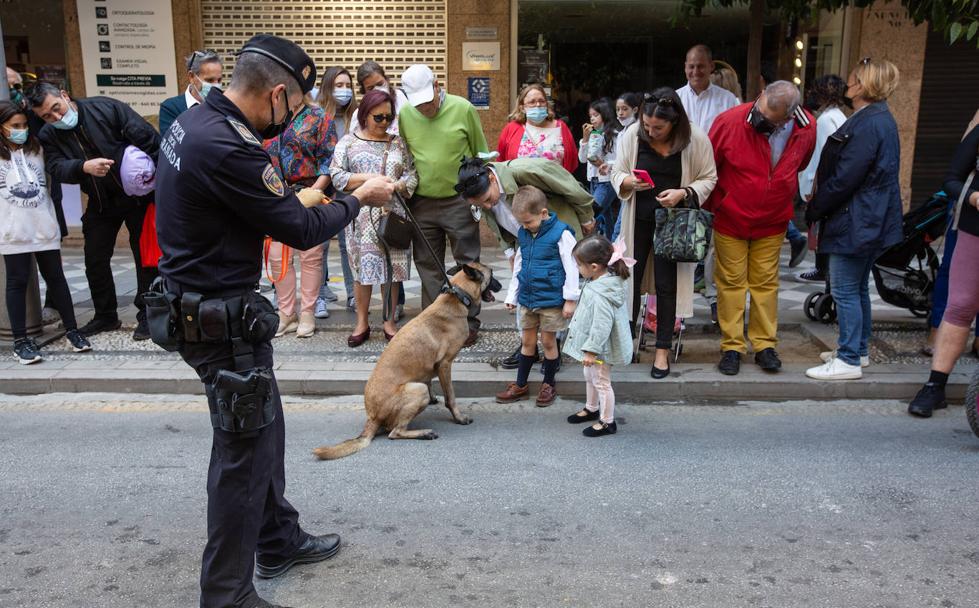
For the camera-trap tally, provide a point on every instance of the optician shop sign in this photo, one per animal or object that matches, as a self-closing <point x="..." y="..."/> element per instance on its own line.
<point x="480" y="56"/>
<point x="128" y="51"/>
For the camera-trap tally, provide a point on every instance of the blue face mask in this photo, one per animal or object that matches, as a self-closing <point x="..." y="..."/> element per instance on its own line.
<point x="207" y="87"/>
<point x="68" y="121"/>
<point x="536" y="115"/>
<point x="18" y="136"/>
<point x="343" y="96"/>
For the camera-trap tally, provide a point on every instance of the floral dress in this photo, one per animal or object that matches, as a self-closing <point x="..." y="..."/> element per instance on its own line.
<point x="367" y="256"/>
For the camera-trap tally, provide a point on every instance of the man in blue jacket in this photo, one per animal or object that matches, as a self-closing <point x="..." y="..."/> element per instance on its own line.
<point x="203" y="75"/>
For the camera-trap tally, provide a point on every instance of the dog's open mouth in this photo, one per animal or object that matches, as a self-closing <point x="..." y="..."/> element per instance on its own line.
<point x="494" y="286"/>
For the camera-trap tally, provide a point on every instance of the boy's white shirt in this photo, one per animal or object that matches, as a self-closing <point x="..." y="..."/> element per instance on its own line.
<point x="570" y="289"/>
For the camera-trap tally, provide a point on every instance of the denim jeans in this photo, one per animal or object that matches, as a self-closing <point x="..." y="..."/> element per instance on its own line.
<point x="605" y="198"/>
<point x="850" y="286"/>
<point x="348" y="277"/>
<point x="792" y="233"/>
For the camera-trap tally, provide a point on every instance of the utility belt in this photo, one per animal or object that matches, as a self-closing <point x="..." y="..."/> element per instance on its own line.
<point x="240" y="399"/>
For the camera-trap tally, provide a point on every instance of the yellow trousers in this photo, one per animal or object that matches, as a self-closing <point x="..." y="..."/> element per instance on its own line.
<point x="747" y="267"/>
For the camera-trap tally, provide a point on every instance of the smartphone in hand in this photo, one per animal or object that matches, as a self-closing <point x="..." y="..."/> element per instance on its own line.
<point x="644" y="176"/>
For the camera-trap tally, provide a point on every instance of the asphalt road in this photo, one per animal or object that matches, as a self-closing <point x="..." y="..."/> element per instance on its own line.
<point x="780" y="505"/>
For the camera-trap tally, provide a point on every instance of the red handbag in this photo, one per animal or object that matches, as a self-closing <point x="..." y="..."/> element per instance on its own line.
<point x="149" y="247"/>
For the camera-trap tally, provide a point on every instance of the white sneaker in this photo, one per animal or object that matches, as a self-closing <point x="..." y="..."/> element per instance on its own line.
<point x="835" y="369"/>
<point x="307" y="325"/>
<point x="287" y="324"/>
<point x="831" y="354"/>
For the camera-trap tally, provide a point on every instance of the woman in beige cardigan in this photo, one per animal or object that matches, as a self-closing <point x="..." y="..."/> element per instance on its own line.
<point x="679" y="158"/>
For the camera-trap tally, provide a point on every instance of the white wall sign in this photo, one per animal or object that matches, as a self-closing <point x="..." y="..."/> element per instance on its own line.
<point x="480" y="56"/>
<point x="128" y="51"/>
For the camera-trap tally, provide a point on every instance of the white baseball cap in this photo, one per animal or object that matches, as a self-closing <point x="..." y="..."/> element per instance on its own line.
<point x="418" y="83"/>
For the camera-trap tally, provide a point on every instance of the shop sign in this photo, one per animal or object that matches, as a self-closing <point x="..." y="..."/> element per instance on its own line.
<point x="482" y="33"/>
<point x="479" y="93"/>
<point x="480" y="56"/>
<point x="128" y="51"/>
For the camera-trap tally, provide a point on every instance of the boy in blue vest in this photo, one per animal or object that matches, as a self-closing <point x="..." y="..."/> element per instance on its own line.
<point x="545" y="285"/>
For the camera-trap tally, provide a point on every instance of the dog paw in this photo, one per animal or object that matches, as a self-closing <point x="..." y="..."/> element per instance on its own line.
<point x="430" y="435"/>
<point x="433" y="400"/>
<point x="464" y="420"/>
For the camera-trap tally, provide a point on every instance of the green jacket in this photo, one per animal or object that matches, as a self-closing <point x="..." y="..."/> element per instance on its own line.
<point x="601" y="322"/>
<point x="566" y="198"/>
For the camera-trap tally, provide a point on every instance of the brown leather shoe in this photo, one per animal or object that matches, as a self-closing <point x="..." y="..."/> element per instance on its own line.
<point x="355" y="340"/>
<point x="546" y="395"/>
<point x="471" y="339"/>
<point x="513" y="393"/>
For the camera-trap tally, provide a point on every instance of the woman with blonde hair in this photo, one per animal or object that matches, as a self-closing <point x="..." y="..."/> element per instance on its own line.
<point x="535" y="132"/>
<point x="857" y="199"/>
<point x="725" y="77"/>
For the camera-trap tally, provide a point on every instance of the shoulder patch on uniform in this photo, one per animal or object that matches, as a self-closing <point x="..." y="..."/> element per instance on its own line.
<point x="243" y="131"/>
<point x="272" y="181"/>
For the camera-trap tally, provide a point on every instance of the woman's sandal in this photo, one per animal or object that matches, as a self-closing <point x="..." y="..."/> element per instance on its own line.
<point x="585" y="415"/>
<point x="607" y="429"/>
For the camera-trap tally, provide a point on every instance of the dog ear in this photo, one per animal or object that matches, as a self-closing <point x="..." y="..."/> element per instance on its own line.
<point x="473" y="273"/>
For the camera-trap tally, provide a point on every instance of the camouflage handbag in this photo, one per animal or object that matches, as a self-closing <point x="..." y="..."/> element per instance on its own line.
<point x="683" y="234"/>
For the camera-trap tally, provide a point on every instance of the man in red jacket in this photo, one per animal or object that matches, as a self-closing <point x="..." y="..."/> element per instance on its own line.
<point x="759" y="148"/>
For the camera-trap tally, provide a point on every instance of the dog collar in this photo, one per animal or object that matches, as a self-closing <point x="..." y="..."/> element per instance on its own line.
<point x="463" y="297"/>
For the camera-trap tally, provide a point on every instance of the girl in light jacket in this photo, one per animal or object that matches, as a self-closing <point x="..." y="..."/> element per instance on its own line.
<point x="680" y="159"/>
<point x="29" y="227"/>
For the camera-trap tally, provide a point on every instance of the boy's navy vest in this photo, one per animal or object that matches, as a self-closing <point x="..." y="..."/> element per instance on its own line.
<point x="541" y="272"/>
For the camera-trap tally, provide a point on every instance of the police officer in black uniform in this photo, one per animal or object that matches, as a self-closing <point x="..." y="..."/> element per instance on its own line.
<point x="217" y="197"/>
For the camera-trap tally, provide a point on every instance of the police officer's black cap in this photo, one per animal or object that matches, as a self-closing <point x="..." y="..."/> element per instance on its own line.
<point x="287" y="54"/>
<point x="473" y="177"/>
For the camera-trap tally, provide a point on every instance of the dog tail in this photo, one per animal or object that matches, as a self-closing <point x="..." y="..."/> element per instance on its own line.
<point x="350" y="446"/>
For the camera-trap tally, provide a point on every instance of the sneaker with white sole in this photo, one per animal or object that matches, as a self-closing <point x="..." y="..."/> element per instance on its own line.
<point x="79" y="343"/>
<point x="27" y="351"/>
<point x="320" y="311"/>
<point x="835" y="369"/>
<point x="829" y="355"/>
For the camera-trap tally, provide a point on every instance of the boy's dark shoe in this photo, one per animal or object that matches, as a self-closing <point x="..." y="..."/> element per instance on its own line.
<point x="513" y="393"/>
<point x="546" y="395"/>
<point x="931" y="397"/>
<point x="730" y="363"/>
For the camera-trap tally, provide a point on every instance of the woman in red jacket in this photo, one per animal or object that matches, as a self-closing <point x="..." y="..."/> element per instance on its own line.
<point x="534" y="132"/>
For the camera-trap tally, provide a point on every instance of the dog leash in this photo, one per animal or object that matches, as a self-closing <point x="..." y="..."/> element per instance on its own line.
<point x="447" y="286"/>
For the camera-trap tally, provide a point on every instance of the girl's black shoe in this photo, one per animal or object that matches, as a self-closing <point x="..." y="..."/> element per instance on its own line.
<point x="588" y="417"/>
<point x="658" y="373"/>
<point x="607" y="429"/>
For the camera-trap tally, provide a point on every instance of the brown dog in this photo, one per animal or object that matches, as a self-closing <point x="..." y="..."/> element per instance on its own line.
<point x="400" y="386"/>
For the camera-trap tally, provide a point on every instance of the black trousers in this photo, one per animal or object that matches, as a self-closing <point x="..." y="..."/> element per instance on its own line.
<point x="18" y="267"/>
<point x="246" y="510"/>
<point x="665" y="275"/>
<point x="101" y="227"/>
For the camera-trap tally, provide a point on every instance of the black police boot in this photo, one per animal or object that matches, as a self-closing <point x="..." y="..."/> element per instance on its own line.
<point x="264" y="604"/>
<point x="931" y="397"/>
<point x="314" y="549"/>
<point x="768" y="360"/>
<point x="142" y="331"/>
<point x="513" y="361"/>
<point x="730" y="363"/>
<point x="97" y="326"/>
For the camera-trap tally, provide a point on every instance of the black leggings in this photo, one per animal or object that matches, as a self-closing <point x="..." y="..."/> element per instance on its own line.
<point x="665" y="275"/>
<point x="18" y="275"/>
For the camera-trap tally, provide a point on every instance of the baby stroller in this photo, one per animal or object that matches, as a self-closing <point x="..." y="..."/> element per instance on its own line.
<point x="905" y="273"/>
<point x="646" y="324"/>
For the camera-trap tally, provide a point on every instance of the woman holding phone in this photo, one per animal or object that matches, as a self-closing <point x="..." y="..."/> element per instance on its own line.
<point x="678" y="161"/>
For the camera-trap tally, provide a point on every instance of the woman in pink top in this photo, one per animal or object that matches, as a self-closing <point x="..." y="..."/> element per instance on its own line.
<point x="534" y="132"/>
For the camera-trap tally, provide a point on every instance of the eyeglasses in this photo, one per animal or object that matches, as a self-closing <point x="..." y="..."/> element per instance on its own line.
<point x="202" y="56"/>
<point x="541" y="103"/>
<point x="661" y="101"/>
<point x="382" y="118"/>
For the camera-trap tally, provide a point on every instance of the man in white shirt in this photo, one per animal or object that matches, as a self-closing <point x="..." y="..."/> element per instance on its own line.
<point x="702" y="100"/>
<point x="204" y="72"/>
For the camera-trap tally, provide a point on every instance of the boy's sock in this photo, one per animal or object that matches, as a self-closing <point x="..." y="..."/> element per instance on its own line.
<point x="938" y="379"/>
<point x="523" y="372"/>
<point x="550" y="368"/>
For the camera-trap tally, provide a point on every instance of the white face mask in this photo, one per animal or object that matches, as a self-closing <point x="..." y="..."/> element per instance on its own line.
<point x="625" y="122"/>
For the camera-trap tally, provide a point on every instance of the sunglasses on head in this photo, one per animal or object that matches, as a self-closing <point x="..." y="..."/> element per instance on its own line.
<point x="379" y="118"/>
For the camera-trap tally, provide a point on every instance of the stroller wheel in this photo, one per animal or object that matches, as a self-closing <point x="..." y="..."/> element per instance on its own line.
<point x="825" y="308"/>
<point x="809" y="306"/>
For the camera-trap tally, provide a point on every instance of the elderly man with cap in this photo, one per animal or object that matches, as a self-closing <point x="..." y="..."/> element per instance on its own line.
<point x="218" y="195"/>
<point x="440" y="129"/>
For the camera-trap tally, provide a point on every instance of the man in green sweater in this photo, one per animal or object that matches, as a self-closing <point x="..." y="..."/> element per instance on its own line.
<point x="439" y="130"/>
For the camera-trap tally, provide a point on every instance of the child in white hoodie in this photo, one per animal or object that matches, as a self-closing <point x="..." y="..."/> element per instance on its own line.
<point x="29" y="226"/>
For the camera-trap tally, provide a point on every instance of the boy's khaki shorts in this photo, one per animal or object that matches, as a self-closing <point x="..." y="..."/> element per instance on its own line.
<point x="547" y="319"/>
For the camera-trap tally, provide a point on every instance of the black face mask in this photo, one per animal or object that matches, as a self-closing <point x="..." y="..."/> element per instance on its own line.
<point x="274" y="129"/>
<point x="760" y="123"/>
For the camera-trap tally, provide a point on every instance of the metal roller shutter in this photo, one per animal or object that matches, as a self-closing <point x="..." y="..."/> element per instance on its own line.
<point x="394" y="33"/>
<point x="949" y="99"/>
